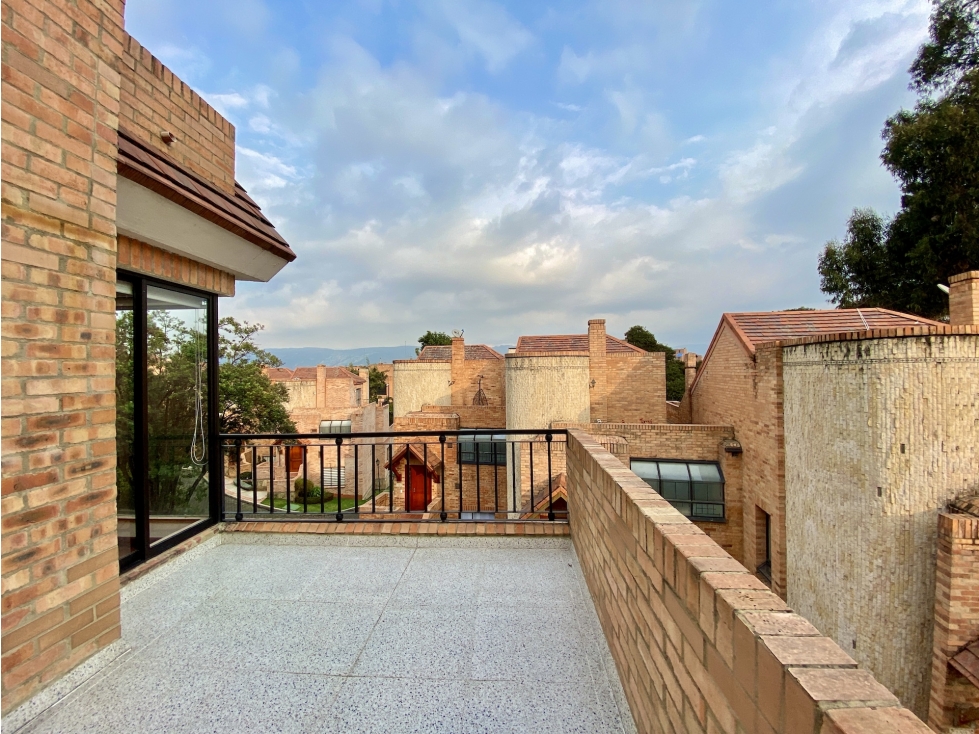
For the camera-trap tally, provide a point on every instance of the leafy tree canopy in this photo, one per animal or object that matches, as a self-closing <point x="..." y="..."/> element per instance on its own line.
<point x="250" y="402"/>
<point x="433" y="339"/>
<point x="640" y="336"/>
<point x="933" y="151"/>
<point x="377" y="382"/>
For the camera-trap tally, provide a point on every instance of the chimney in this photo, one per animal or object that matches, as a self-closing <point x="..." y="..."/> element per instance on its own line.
<point x="365" y="395"/>
<point x="597" y="371"/>
<point x="320" y="386"/>
<point x="963" y="299"/>
<point x="458" y="386"/>
<point x="689" y="370"/>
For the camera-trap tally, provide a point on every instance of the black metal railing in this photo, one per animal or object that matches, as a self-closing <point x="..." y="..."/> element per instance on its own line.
<point x="468" y="475"/>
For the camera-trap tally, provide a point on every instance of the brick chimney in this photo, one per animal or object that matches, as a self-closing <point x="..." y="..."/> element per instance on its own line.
<point x="689" y="370"/>
<point x="458" y="387"/>
<point x="597" y="370"/>
<point x="365" y="394"/>
<point x="320" y="386"/>
<point x="963" y="298"/>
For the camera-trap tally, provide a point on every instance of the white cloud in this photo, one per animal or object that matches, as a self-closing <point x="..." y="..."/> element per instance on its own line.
<point x="486" y="28"/>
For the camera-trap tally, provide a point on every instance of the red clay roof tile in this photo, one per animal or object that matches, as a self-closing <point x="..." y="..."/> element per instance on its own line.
<point x="473" y="351"/>
<point x="571" y="343"/>
<point x="771" y="326"/>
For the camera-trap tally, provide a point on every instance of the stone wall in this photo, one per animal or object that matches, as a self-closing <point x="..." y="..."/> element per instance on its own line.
<point x="954" y="700"/>
<point x="60" y="569"/>
<point x="302" y="394"/>
<point x="154" y="100"/>
<point x="687" y="442"/>
<point x="880" y="433"/>
<point x="737" y="388"/>
<point x="700" y="644"/>
<point x="419" y="382"/>
<point x="544" y="388"/>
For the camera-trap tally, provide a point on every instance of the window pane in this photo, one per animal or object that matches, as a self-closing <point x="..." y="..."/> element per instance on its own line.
<point x="645" y="469"/>
<point x="683" y="507"/>
<point x="670" y="470"/>
<point x="705" y="472"/>
<point x="711" y="511"/>
<point x="176" y="384"/>
<point x="676" y="490"/>
<point x="125" y="416"/>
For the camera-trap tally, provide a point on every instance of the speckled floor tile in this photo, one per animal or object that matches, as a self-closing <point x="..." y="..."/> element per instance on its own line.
<point x="303" y="637"/>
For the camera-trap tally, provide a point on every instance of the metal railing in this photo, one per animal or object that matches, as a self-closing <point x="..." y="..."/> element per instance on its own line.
<point x="467" y="475"/>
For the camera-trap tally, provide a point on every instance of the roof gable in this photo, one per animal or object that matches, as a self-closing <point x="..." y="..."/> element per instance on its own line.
<point x="572" y="343"/>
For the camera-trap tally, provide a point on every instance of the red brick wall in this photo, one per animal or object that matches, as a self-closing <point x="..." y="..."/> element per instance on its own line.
<point x="153" y="100"/>
<point x="954" y="700"/>
<point x="60" y="105"/>
<point x="737" y="390"/>
<point x="149" y="260"/>
<point x="699" y="643"/>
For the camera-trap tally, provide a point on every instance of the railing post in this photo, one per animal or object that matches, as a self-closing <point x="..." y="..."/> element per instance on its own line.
<point x="339" y="482"/>
<point x="550" y="479"/>
<point x="443" y="514"/>
<point x="237" y="478"/>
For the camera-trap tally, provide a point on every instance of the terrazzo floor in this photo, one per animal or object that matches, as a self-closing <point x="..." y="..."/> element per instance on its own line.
<point x="434" y="635"/>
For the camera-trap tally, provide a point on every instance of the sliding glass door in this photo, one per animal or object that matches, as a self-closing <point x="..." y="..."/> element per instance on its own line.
<point x="165" y="380"/>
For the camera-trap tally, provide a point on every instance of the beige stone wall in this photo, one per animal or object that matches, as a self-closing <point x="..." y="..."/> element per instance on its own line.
<point x="541" y="390"/>
<point x="302" y="394"/>
<point x="419" y="382"/>
<point x="699" y="643"/>
<point x="879" y="435"/>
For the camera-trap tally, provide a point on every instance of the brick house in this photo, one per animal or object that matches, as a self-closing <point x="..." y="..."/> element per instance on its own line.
<point x="122" y="225"/>
<point x="856" y="426"/>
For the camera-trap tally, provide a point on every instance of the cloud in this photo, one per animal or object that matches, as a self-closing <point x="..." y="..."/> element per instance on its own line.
<point x="486" y="28"/>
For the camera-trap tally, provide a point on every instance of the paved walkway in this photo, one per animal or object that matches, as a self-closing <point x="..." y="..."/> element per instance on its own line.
<point x="251" y="633"/>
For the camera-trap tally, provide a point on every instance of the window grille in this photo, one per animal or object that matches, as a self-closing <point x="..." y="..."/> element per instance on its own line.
<point x="696" y="489"/>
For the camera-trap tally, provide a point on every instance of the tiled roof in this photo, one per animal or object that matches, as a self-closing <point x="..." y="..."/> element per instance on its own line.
<point x="236" y="213"/>
<point x="571" y="343"/>
<point x="473" y="351"/>
<point x="282" y="374"/>
<point x="768" y="326"/>
<point x="966" y="661"/>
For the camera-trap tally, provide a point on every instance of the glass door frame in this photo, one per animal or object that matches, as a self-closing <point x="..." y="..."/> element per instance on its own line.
<point x="144" y="549"/>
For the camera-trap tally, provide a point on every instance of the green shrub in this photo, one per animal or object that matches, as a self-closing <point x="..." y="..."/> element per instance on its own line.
<point x="307" y="489"/>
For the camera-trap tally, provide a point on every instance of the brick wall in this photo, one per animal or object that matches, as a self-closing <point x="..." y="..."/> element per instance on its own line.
<point x="954" y="701"/>
<point x="700" y="644"/>
<point x="737" y="389"/>
<point x="880" y="433"/>
<point x="691" y="443"/>
<point x="141" y="257"/>
<point x="153" y="100"/>
<point x="963" y="298"/>
<point x="60" y="106"/>
<point x="472" y="416"/>
<point x="636" y="385"/>
<point x="466" y="378"/>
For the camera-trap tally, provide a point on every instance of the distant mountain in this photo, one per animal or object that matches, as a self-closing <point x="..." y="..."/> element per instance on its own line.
<point x="293" y="357"/>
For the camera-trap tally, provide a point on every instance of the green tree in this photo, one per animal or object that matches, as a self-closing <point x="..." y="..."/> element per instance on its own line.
<point x="640" y="336"/>
<point x="378" y="383"/>
<point x="250" y="402"/>
<point x="433" y="339"/>
<point x="933" y="151"/>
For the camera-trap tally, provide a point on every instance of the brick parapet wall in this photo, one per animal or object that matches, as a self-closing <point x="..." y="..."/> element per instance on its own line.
<point x="60" y="111"/>
<point x="144" y="258"/>
<point x="954" y="701"/>
<point x="700" y="644"/>
<point x="154" y="100"/>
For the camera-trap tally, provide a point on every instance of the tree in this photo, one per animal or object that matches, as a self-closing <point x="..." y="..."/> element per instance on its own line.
<point x="640" y="336"/>
<point x="250" y="402"/>
<point x="378" y="383"/>
<point x="933" y="151"/>
<point x="433" y="339"/>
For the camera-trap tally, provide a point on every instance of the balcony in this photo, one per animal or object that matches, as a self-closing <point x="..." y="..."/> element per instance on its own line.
<point x="431" y="618"/>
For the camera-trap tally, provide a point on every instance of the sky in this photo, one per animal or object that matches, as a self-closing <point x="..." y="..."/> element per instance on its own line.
<point x="518" y="168"/>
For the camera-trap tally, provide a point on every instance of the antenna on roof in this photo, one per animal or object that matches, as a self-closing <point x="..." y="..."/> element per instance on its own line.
<point x="457" y="333"/>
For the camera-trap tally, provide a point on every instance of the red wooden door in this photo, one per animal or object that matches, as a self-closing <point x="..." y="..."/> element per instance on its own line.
<point x="295" y="454"/>
<point x="420" y="493"/>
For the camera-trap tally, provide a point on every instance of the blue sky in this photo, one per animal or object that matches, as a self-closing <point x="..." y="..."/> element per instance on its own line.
<point x="518" y="168"/>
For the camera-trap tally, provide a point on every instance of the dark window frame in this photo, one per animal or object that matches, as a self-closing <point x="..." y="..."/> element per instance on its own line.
<point x="693" y="517"/>
<point x="145" y="549"/>
<point x="484" y="451"/>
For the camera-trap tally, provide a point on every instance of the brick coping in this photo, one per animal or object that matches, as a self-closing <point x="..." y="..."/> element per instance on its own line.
<point x="520" y="528"/>
<point x="895" y="333"/>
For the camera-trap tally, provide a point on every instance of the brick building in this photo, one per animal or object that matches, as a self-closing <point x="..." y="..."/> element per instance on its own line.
<point x="857" y="427"/>
<point x="319" y="395"/>
<point x="122" y="224"/>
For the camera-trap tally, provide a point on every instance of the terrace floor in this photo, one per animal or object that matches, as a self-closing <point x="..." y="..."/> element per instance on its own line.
<point x="252" y="633"/>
